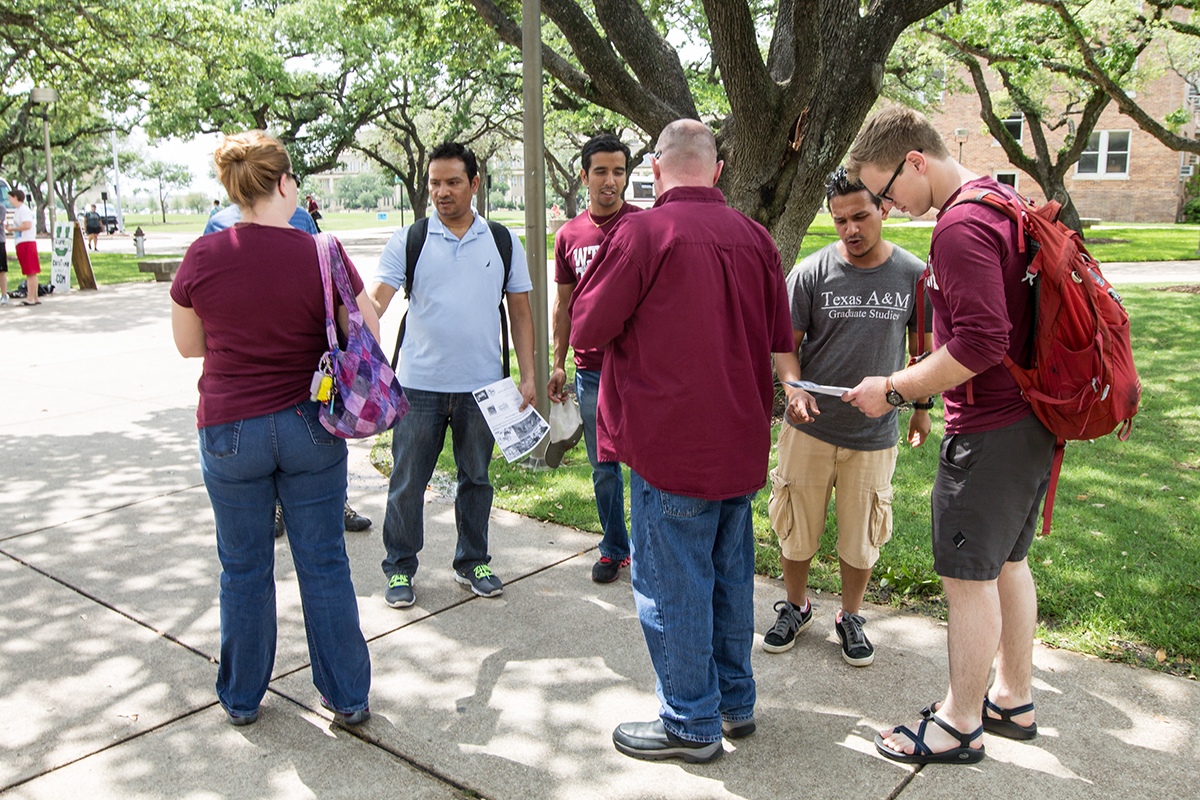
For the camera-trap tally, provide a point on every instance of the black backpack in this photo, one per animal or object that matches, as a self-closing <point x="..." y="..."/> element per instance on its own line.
<point x="412" y="251"/>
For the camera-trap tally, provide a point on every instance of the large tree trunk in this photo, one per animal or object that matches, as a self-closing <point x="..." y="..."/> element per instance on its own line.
<point x="792" y="117"/>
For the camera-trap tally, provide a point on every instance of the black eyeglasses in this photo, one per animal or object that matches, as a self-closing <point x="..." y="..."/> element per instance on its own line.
<point x="884" y="194"/>
<point x="296" y="180"/>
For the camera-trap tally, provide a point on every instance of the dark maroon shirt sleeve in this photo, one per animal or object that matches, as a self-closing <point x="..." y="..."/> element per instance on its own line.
<point x="967" y="262"/>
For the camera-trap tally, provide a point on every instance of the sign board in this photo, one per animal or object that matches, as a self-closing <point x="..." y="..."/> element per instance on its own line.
<point x="60" y="256"/>
<point x="381" y="215"/>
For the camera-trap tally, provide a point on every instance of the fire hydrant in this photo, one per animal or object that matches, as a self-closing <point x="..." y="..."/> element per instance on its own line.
<point x="139" y="241"/>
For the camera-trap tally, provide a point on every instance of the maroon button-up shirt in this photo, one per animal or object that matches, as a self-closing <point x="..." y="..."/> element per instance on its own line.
<point x="688" y="300"/>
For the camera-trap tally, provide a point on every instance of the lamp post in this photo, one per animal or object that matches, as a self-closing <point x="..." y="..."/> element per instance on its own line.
<point x="961" y="135"/>
<point x="40" y="99"/>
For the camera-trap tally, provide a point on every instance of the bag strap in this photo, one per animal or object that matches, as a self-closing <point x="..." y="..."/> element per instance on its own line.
<point x="503" y="241"/>
<point x="1055" y="468"/>
<point x="413" y="245"/>
<point x="323" y="262"/>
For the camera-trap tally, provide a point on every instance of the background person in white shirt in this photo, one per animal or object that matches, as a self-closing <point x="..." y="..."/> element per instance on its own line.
<point x="25" y="237"/>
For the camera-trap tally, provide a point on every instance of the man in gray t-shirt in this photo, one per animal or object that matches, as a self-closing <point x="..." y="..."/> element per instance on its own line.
<point x="854" y="313"/>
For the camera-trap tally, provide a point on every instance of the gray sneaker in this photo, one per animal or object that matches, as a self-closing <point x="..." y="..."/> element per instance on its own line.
<point x="857" y="650"/>
<point x="790" y="622"/>
<point x="399" y="592"/>
<point x="482" y="581"/>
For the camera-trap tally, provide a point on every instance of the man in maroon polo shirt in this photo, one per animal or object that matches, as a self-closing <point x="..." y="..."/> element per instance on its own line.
<point x="994" y="465"/>
<point x="688" y="301"/>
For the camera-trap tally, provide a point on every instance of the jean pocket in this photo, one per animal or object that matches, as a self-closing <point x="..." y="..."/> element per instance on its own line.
<point x="779" y="505"/>
<point x="221" y="441"/>
<point x="879" y="529"/>
<point x="309" y="412"/>
<point x="681" y="506"/>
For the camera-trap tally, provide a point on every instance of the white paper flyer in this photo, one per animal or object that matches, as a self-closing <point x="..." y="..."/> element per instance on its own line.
<point x="517" y="432"/>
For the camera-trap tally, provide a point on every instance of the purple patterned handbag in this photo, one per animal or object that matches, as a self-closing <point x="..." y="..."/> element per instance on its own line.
<point x="366" y="399"/>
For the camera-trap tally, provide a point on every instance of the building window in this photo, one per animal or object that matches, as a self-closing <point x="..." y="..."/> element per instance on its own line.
<point x="1007" y="177"/>
<point x="1016" y="127"/>
<point x="643" y="190"/>
<point x="1106" y="156"/>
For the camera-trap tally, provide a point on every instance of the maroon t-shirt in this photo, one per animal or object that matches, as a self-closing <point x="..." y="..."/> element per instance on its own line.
<point x="981" y="309"/>
<point x="257" y="290"/>
<point x="575" y="245"/>
<point x="689" y="302"/>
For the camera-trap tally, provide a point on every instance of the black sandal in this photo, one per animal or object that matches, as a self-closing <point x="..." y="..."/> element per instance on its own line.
<point x="1004" y="726"/>
<point x="999" y="726"/>
<point x="963" y="754"/>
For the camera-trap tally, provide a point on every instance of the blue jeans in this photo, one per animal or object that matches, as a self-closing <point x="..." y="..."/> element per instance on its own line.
<point x="606" y="475"/>
<point x="693" y="583"/>
<point x="247" y="465"/>
<point x="417" y="440"/>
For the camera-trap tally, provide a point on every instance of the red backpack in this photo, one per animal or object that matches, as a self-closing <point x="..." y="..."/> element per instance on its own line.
<point x="1082" y="383"/>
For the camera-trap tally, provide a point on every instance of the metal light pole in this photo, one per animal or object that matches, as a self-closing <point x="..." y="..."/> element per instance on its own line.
<point x="961" y="135"/>
<point x="116" y="184"/>
<point x="535" y="193"/>
<point x="42" y="96"/>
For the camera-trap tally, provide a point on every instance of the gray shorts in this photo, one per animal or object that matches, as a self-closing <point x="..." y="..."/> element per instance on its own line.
<point x="987" y="496"/>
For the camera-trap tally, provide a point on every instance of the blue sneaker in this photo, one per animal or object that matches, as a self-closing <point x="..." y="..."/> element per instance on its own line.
<point x="482" y="581"/>
<point x="399" y="593"/>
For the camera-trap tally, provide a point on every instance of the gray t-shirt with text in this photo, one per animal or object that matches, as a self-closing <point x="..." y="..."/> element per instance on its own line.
<point x="856" y="324"/>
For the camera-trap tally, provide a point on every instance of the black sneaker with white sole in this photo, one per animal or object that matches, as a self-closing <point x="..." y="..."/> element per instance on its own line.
<point x="651" y="741"/>
<point x="790" y="622"/>
<point x="857" y="650"/>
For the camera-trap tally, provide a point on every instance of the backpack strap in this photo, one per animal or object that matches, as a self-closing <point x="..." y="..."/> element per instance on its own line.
<point x="921" y="314"/>
<point x="1055" y="468"/>
<point x="412" y="251"/>
<point x="504" y="244"/>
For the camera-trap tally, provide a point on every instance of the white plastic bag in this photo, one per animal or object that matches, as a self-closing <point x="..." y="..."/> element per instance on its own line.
<point x="565" y="421"/>
<point x="566" y="428"/>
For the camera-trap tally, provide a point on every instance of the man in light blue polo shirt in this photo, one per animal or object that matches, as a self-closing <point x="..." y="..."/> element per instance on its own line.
<point x="451" y="348"/>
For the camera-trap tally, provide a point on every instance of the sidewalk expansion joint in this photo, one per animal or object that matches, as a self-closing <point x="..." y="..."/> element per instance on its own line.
<point x="102" y="512"/>
<point x="109" y="746"/>
<point x="470" y="598"/>
<point x="110" y="607"/>
<point x="358" y="733"/>
<point x="900" y="787"/>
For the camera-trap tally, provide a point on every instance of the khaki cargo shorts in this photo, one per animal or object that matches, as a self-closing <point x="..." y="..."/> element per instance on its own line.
<point x="802" y="484"/>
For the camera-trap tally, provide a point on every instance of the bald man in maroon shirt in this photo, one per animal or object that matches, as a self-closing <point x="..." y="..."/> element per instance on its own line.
<point x="688" y="300"/>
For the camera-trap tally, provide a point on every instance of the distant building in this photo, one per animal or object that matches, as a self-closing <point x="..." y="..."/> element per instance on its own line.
<point x="1124" y="175"/>
<point x="323" y="185"/>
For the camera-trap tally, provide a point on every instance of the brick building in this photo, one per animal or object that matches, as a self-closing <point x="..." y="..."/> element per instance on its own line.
<point x="1124" y="175"/>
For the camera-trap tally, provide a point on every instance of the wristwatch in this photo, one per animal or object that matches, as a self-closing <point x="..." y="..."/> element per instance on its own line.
<point x="892" y="396"/>
<point x="923" y="406"/>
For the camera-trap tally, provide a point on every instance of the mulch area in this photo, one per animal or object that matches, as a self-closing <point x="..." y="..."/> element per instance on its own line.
<point x="1186" y="288"/>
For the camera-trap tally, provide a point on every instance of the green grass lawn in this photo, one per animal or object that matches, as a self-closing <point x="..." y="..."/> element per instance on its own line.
<point x="1118" y="577"/>
<point x="333" y="221"/>
<point x="107" y="267"/>
<point x="1133" y="243"/>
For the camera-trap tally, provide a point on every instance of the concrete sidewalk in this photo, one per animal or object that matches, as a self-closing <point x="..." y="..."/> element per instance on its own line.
<point x="109" y="630"/>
